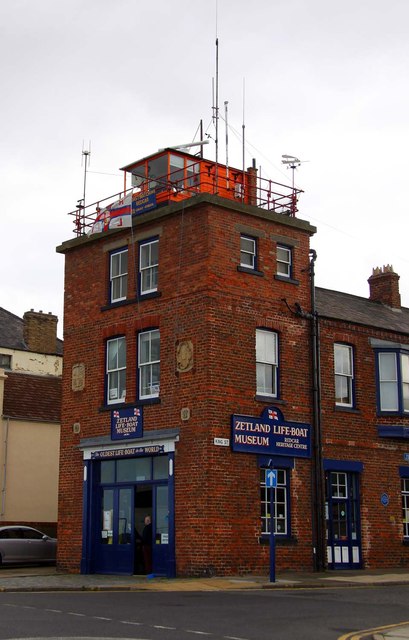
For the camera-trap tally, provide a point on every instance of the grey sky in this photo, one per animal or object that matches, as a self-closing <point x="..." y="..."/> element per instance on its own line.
<point x="321" y="80"/>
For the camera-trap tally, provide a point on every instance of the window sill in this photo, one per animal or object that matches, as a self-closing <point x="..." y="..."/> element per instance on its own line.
<point x="123" y="303"/>
<point x="148" y="296"/>
<point x="285" y="279"/>
<point x="338" y="407"/>
<point x="392" y="414"/>
<point x="269" y="399"/>
<point x="148" y="401"/>
<point x="280" y="540"/>
<point x="116" y="406"/>
<point x="253" y="272"/>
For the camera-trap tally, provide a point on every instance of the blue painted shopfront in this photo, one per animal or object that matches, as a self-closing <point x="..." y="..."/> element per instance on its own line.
<point x="122" y="486"/>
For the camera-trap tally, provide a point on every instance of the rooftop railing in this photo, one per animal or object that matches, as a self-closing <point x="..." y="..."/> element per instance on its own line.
<point x="243" y="187"/>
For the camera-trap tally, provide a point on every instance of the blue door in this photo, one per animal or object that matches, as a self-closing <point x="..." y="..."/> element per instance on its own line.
<point x="160" y="549"/>
<point x="114" y="539"/>
<point x="343" y="522"/>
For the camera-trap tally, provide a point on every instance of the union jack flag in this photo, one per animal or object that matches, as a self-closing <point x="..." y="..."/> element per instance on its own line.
<point x="116" y="414"/>
<point x="136" y="412"/>
<point x="272" y="414"/>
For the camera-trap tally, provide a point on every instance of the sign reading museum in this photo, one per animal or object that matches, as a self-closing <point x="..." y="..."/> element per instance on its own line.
<point x="270" y="434"/>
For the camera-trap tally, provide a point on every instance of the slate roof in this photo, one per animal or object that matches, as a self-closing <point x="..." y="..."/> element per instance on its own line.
<point x="31" y="397"/>
<point x="344" y="306"/>
<point x="11" y="332"/>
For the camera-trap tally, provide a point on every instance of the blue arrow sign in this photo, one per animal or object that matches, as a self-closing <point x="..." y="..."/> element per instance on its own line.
<point x="271" y="479"/>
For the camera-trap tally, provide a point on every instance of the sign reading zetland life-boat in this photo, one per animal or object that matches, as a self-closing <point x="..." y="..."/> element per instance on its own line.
<point x="270" y="434"/>
<point x="127" y="423"/>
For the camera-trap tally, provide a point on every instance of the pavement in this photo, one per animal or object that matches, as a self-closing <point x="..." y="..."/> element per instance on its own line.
<point x="40" y="578"/>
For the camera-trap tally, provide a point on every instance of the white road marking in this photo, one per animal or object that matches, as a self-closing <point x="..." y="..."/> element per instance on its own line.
<point x="73" y="613"/>
<point x="159" y="626"/>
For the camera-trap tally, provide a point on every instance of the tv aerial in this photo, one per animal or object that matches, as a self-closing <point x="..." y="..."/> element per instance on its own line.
<point x="292" y="163"/>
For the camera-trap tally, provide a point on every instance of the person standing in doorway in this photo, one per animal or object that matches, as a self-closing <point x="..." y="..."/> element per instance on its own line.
<point x="147" y="544"/>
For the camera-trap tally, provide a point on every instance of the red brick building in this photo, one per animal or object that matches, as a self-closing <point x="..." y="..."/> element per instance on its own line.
<point x="199" y="387"/>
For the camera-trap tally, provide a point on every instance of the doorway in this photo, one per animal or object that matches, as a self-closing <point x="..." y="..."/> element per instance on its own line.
<point x="121" y="544"/>
<point x="343" y="529"/>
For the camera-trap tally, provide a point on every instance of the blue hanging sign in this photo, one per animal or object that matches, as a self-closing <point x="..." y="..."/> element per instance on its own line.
<point x="271" y="435"/>
<point x="127" y="423"/>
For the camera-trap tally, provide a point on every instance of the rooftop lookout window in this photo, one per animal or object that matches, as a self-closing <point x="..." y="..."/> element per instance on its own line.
<point x="171" y="175"/>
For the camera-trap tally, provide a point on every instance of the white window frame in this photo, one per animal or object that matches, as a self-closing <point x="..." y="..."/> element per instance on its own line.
<point x="280" y="502"/>
<point x="149" y="365"/>
<point x="405" y="505"/>
<point x="116" y="370"/>
<point x="284" y="262"/>
<point x="344" y="374"/>
<point x="397" y="382"/>
<point x="118" y="276"/>
<point x="267" y="363"/>
<point x="248" y="251"/>
<point x="148" y="269"/>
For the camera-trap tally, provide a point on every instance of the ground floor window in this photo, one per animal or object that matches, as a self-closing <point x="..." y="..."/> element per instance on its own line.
<point x="280" y="502"/>
<point x="405" y="506"/>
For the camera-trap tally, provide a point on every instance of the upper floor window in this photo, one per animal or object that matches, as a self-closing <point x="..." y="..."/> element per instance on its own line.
<point x="266" y="362"/>
<point x="344" y="375"/>
<point x="280" y="503"/>
<point x="284" y="261"/>
<point x="248" y="252"/>
<point x="148" y="266"/>
<point x="118" y="274"/>
<point x="116" y="370"/>
<point x="393" y="381"/>
<point x="5" y="361"/>
<point x="149" y="364"/>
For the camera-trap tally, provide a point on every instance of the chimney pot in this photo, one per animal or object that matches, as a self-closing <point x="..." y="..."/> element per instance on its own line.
<point x="384" y="286"/>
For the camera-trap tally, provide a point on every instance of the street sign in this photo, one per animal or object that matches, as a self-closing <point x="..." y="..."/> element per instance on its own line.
<point x="271" y="479"/>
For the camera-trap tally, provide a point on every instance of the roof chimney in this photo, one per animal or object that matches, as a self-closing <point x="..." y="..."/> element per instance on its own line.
<point x="384" y="286"/>
<point x="40" y="331"/>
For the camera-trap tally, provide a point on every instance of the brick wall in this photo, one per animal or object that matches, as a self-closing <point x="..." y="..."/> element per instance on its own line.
<point x="352" y="435"/>
<point x="204" y="299"/>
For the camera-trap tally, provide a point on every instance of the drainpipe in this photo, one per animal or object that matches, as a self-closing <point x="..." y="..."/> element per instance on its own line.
<point x="317" y="468"/>
<point x="3" y="448"/>
<point x="4" y="482"/>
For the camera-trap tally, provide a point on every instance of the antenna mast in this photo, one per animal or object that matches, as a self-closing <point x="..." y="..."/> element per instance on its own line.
<point x="216" y="115"/>
<point x="85" y="154"/>
<point x="244" y="144"/>
<point x="227" y="144"/>
<point x="292" y="163"/>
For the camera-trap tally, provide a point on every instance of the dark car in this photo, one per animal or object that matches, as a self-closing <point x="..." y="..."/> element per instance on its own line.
<point x="24" y="545"/>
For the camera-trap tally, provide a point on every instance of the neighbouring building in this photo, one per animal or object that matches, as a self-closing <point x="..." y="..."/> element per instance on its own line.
<point x="30" y="414"/>
<point x="208" y="383"/>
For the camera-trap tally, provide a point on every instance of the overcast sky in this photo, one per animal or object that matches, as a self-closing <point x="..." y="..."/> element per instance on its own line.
<point x="324" y="81"/>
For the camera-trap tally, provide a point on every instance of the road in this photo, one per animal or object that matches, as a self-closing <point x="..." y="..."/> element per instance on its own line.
<point x="300" y="614"/>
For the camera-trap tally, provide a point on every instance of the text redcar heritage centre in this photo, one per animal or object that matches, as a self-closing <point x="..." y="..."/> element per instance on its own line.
<point x="199" y="356"/>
